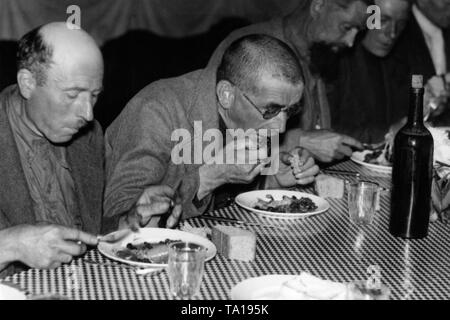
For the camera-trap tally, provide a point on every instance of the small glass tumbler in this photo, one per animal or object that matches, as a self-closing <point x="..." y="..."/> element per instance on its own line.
<point x="185" y="269"/>
<point x="363" y="202"/>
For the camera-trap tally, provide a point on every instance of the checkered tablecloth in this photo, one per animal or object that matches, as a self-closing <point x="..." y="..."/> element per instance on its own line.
<point x="327" y="245"/>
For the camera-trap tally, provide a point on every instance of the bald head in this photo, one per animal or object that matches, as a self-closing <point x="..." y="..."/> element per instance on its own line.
<point x="60" y="75"/>
<point x="55" y="45"/>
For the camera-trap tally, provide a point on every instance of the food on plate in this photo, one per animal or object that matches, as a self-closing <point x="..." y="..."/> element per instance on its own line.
<point x="146" y="252"/>
<point x="234" y="243"/>
<point x="296" y="162"/>
<point x="329" y="187"/>
<point x="286" y="205"/>
<point x="382" y="155"/>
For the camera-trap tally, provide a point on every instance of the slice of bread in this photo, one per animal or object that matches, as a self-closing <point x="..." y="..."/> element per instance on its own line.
<point x="234" y="243"/>
<point x="329" y="187"/>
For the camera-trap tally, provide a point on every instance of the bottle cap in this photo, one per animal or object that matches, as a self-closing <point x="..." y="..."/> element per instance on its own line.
<point x="417" y="81"/>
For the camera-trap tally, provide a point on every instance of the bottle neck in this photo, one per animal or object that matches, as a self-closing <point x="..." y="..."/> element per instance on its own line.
<point x="415" y="117"/>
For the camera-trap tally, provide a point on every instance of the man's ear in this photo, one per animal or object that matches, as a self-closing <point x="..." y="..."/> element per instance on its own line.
<point x="26" y="83"/>
<point x="225" y="94"/>
<point x="316" y="8"/>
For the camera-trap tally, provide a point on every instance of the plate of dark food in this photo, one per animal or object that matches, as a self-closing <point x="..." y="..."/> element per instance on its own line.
<point x="150" y="247"/>
<point x="282" y="204"/>
<point x="376" y="158"/>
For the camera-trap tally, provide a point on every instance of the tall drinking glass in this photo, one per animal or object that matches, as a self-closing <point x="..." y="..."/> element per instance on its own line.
<point x="185" y="269"/>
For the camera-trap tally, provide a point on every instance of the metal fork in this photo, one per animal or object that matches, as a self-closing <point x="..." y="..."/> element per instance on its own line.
<point x="137" y="270"/>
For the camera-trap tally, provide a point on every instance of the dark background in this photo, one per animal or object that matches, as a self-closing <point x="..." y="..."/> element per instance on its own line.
<point x="136" y="59"/>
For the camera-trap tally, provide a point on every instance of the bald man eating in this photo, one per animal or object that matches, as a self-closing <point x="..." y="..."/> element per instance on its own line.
<point x="52" y="162"/>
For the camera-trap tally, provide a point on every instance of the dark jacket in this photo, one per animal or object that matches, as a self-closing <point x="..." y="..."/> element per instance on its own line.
<point x="85" y="155"/>
<point x="411" y="56"/>
<point x="411" y="50"/>
<point x="371" y="93"/>
<point x="367" y="95"/>
<point x="139" y="144"/>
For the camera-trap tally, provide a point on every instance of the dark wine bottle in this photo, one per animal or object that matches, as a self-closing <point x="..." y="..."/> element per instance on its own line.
<point x="412" y="171"/>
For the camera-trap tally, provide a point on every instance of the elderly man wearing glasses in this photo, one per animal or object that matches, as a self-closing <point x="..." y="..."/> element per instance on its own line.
<point x="259" y="84"/>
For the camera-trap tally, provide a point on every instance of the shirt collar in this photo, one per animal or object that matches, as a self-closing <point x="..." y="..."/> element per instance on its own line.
<point x="19" y="125"/>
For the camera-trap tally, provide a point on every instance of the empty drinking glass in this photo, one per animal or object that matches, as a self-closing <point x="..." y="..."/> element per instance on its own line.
<point x="185" y="269"/>
<point x="363" y="201"/>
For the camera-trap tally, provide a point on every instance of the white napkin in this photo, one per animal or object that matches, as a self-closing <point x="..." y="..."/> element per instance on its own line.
<point x="441" y="144"/>
<point x="308" y="287"/>
<point x="9" y="293"/>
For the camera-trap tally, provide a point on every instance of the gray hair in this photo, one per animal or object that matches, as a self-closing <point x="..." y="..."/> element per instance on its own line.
<point x="247" y="58"/>
<point x="34" y="55"/>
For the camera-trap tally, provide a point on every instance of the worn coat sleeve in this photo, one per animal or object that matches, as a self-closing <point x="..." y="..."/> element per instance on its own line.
<point x="138" y="155"/>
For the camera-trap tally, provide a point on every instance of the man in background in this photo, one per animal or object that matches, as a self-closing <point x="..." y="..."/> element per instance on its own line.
<point x="364" y="98"/>
<point x="257" y="85"/>
<point x="424" y="48"/>
<point x="316" y="26"/>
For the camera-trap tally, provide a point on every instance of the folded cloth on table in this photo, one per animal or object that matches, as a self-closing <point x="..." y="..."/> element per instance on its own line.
<point x="308" y="287"/>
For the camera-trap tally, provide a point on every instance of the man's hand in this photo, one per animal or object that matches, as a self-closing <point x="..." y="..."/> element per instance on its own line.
<point x="327" y="146"/>
<point x="292" y="173"/>
<point x="216" y="175"/>
<point x="46" y="246"/>
<point x="248" y="162"/>
<point x="394" y="129"/>
<point x="436" y="96"/>
<point x="154" y="202"/>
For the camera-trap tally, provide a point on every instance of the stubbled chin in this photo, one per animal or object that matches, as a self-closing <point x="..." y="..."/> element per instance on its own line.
<point x="61" y="139"/>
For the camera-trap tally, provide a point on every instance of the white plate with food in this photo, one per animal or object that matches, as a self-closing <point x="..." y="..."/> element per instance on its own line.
<point x="282" y="204"/>
<point x="9" y="292"/>
<point x="148" y="248"/>
<point x="375" y="160"/>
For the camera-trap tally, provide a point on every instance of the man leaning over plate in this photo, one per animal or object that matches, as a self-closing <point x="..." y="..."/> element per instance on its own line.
<point x="257" y="85"/>
<point x="52" y="161"/>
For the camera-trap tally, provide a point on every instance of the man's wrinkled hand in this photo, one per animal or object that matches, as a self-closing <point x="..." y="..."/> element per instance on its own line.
<point x="156" y="201"/>
<point x="296" y="168"/>
<point x="48" y="246"/>
<point x="237" y="163"/>
<point x="214" y="176"/>
<point x="436" y="96"/>
<point x="327" y="146"/>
